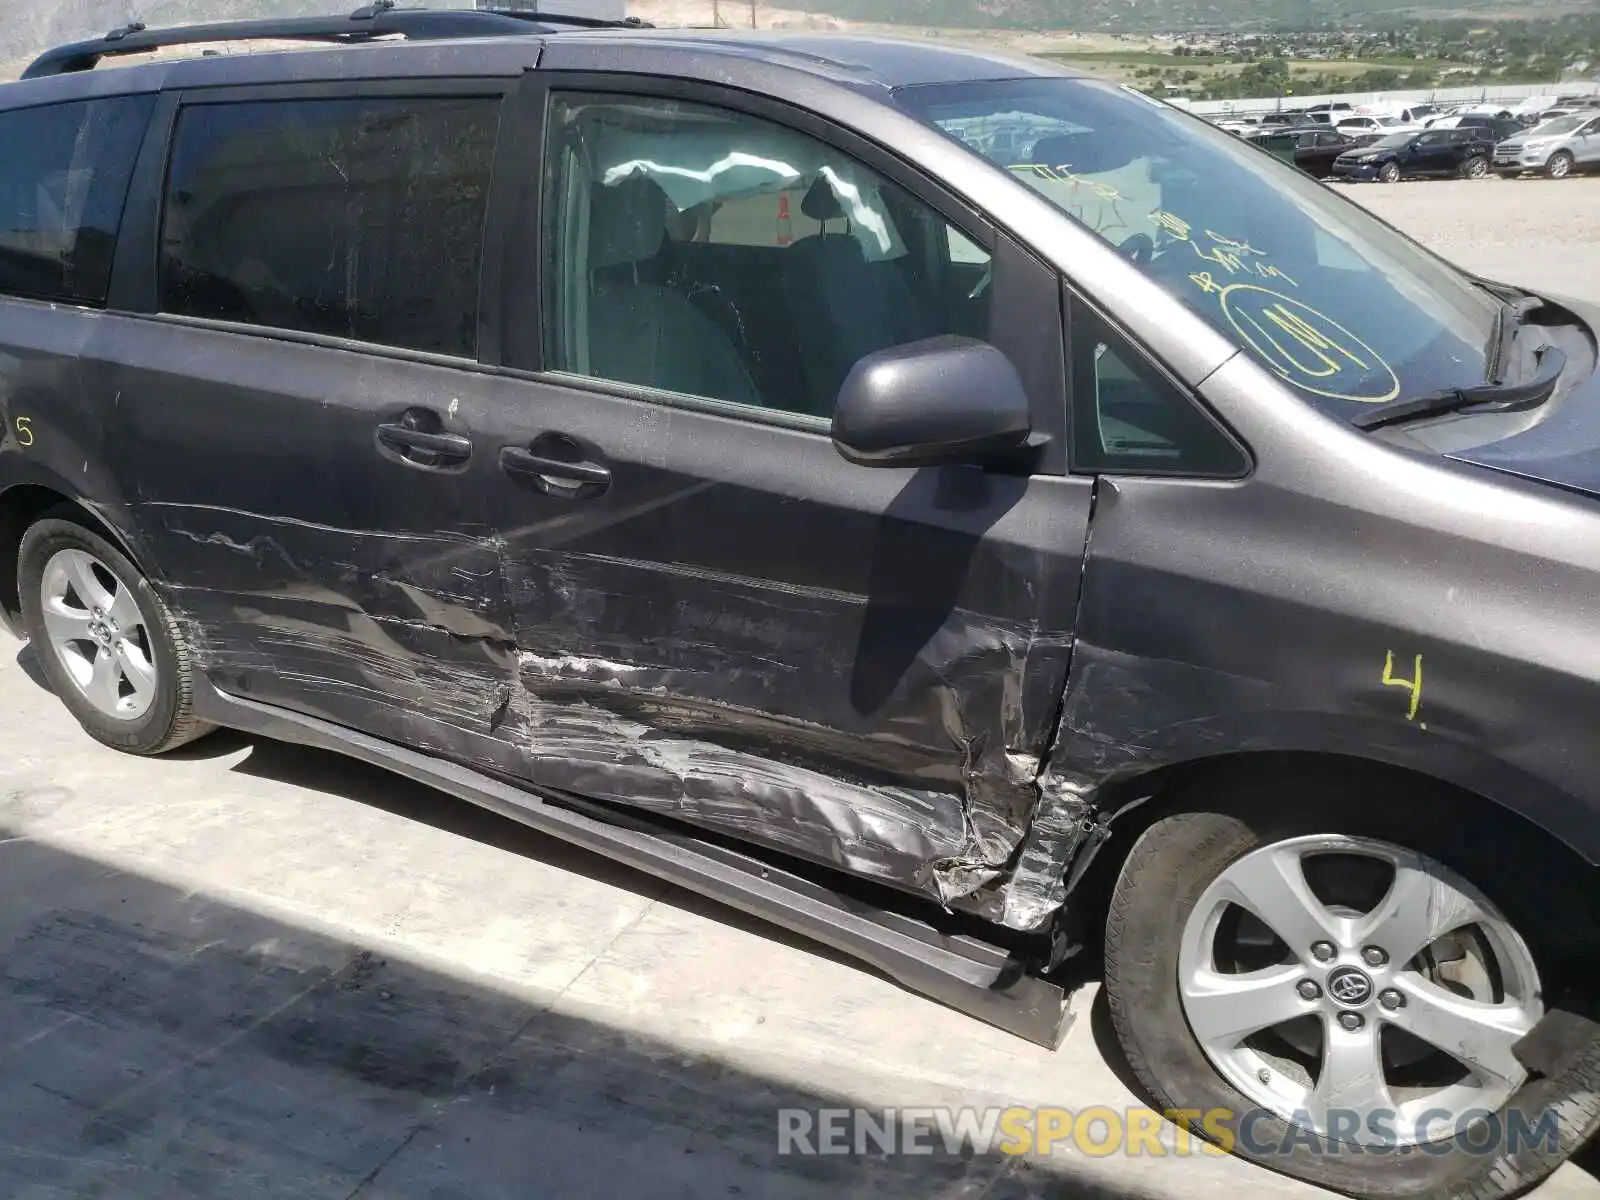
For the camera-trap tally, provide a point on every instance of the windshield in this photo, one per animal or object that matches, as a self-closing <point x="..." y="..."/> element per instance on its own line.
<point x="1327" y="297"/>
<point x="1560" y="126"/>
<point x="1393" y="142"/>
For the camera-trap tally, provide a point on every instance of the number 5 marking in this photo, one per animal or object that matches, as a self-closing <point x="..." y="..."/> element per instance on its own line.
<point x="24" y="432"/>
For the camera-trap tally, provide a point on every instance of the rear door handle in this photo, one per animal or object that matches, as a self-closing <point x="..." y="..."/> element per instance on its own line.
<point x="561" y="477"/>
<point x="444" y="448"/>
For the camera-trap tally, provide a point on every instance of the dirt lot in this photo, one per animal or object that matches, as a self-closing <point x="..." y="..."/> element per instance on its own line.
<point x="1543" y="233"/>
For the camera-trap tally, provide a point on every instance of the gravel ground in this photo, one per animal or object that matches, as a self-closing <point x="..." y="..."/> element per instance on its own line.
<point x="1541" y="233"/>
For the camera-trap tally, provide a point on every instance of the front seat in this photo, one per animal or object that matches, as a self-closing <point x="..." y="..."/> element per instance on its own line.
<point x="640" y="331"/>
<point x="844" y="307"/>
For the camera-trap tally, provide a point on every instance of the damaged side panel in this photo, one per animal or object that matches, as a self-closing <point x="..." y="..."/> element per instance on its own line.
<point x="306" y="569"/>
<point x="746" y="632"/>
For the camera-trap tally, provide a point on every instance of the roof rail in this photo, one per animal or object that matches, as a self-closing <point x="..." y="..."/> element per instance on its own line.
<point x="381" y="18"/>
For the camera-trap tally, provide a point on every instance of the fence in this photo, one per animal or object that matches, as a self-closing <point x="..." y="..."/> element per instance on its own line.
<point x="1508" y="94"/>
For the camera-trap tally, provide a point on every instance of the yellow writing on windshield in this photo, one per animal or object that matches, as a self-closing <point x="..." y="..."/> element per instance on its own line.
<point x="1306" y="347"/>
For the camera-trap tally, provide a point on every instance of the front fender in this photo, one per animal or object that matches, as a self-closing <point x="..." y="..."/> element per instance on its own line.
<point x="1124" y="716"/>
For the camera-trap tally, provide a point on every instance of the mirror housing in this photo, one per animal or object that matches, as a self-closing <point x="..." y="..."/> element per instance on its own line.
<point x="942" y="400"/>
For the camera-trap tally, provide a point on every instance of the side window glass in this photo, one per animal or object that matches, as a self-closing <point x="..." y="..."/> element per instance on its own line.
<point x="64" y="174"/>
<point x="705" y="252"/>
<point x="358" y="218"/>
<point x="1128" y="417"/>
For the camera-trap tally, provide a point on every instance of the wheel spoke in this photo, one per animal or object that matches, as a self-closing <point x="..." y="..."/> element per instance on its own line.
<point x="1479" y="1036"/>
<point x="1352" y="1072"/>
<point x="137" y="669"/>
<point x="1223" y="1010"/>
<point x="80" y="570"/>
<point x="65" y="624"/>
<point x="124" y="611"/>
<point x="1272" y="886"/>
<point x="1420" y="908"/>
<point x="104" y="686"/>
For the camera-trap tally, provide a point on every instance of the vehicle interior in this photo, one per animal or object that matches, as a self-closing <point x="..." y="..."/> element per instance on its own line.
<point x="771" y="271"/>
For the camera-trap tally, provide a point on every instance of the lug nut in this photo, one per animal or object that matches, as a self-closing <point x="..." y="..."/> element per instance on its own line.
<point x="1374" y="957"/>
<point x="1391" y="999"/>
<point x="1264" y="1075"/>
<point x="1350" y="1021"/>
<point x="1323" y="951"/>
<point x="1308" y="990"/>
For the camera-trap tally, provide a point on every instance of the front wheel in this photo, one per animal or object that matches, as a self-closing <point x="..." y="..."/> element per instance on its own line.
<point x="1475" y="168"/>
<point x="1323" y="993"/>
<point x="1389" y="173"/>
<point x="105" y="641"/>
<point x="1559" y="166"/>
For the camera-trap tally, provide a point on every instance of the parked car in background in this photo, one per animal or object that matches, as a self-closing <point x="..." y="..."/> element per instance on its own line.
<point x="1369" y="123"/>
<point x="1431" y="152"/>
<point x="1312" y="148"/>
<point x="1329" y="112"/>
<point x="1499" y="125"/>
<point x="1556" y="147"/>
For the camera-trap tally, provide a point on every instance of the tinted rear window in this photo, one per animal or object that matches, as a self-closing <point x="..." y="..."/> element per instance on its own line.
<point x="357" y="218"/>
<point x="64" y="173"/>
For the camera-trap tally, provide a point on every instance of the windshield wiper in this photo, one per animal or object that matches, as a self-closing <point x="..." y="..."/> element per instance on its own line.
<point x="1496" y="397"/>
<point x="1507" y="321"/>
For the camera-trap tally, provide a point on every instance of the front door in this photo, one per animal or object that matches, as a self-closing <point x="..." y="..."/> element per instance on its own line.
<point x="716" y="616"/>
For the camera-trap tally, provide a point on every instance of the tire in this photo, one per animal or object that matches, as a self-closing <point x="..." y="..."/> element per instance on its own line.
<point x="1559" y="166"/>
<point x="1389" y="173"/>
<point x="1475" y="168"/>
<point x="1183" y="854"/>
<point x="143" y="702"/>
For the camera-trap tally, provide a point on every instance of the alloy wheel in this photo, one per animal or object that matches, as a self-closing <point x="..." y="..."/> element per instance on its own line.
<point x="1560" y="165"/>
<point x="98" y="634"/>
<point x="1327" y="976"/>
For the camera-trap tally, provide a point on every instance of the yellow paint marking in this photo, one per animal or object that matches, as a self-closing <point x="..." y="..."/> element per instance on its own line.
<point x="1414" y="683"/>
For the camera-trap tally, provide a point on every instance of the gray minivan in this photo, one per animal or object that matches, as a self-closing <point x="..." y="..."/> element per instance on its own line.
<point x="957" y="508"/>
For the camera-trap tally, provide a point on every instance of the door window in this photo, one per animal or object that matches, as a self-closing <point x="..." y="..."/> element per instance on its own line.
<point x="1128" y="417"/>
<point x="702" y="251"/>
<point x="358" y="218"/>
<point x="64" y="174"/>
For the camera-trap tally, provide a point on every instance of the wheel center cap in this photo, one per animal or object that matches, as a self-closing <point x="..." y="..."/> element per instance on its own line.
<point x="1350" y="987"/>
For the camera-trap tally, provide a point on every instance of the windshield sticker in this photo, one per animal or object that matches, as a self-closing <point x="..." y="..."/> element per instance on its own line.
<point x="1083" y="194"/>
<point x="1308" y="348"/>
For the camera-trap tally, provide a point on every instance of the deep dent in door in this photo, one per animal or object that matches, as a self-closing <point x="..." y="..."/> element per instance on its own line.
<point x="423" y="643"/>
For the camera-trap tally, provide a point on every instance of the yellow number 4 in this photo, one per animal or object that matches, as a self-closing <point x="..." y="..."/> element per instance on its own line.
<point x="24" y="431"/>
<point x="1414" y="683"/>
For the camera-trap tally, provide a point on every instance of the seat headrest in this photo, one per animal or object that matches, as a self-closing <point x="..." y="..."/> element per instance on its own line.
<point x="1084" y="153"/>
<point x="820" y="203"/>
<point x="627" y="222"/>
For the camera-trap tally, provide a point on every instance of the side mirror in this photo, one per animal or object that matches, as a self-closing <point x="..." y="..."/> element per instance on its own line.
<point x="946" y="399"/>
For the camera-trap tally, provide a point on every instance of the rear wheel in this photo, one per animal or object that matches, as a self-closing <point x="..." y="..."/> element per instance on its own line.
<point x="1475" y="168"/>
<point x="104" y="639"/>
<point x="1559" y="166"/>
<point x="1351" y="986"/>
<point x="1389" y="173"/>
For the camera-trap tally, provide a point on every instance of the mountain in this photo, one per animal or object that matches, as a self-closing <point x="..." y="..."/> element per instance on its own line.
<point x="1179" y="15"/>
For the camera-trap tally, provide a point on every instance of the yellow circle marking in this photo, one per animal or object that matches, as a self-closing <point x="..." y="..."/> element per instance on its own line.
<point x="1309" y="349"/>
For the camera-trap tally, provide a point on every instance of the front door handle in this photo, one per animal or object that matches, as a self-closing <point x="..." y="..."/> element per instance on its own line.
<point x="565" y="474"/>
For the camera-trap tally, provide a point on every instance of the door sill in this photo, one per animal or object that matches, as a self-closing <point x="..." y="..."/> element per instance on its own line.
<point x="984" y="981"/>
